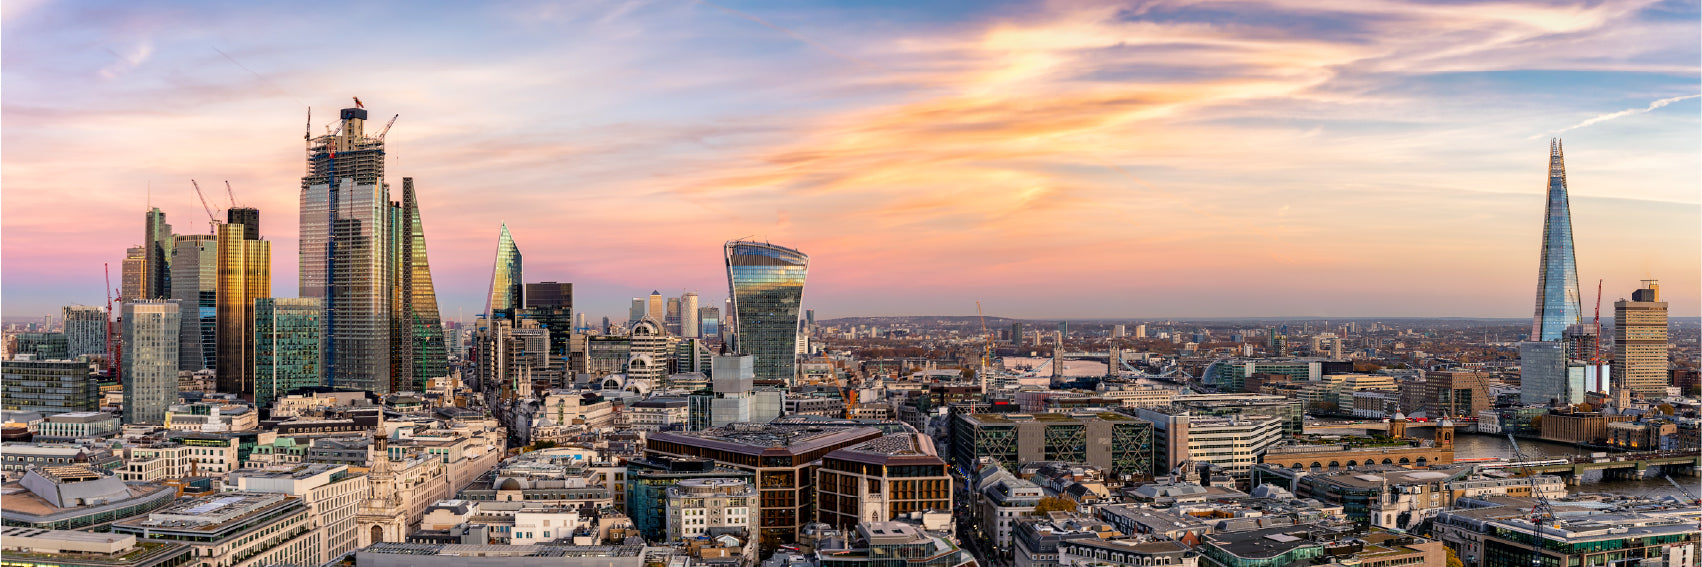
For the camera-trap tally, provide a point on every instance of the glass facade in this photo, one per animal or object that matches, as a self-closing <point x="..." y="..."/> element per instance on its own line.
<point x="428" y="355"/>
<point x="85" y="330"/>
<point x="244" y="274"/>
<point x="157" y="242"/>
<point x="1558" y="305"/>
<point x="48" y="387"/>
<point x="150" y="359"/>
<point x="766" y="285"/>
<point x="194" y="277"/>
<point x="506" y="276"/>
<point x="347" y="253"/>
<point x="286" y="352"/>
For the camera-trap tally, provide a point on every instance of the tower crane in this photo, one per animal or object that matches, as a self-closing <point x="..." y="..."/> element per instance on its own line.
<point x="987" y="353"/>
<point x="115" y="352"/>
<point x="387" y="126"/>
<point x="1682" y="489"/>
<point x="212" y="221"/>
<point x="1540" y="513"/>
<point x="1596" y="357"/>
<point x="231" y="193"/>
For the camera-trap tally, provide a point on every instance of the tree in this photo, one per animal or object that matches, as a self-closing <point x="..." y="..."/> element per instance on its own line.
<point x="1586" y="407"/>
<point x="1453" y="560"/>
<point x="1665" y="408"/>
<point x="1054" y="504"/>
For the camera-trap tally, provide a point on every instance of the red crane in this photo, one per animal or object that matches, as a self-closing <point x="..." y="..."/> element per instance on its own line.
<point x="115" y="352"/>
<point x="1596" y="357"/>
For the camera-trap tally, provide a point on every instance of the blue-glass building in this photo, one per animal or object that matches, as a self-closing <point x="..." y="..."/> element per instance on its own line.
<point x="766" y="285"/>
<point x="506" y="291"/>
<point x="1558" y="304"/>
<point x="286" y="347"/>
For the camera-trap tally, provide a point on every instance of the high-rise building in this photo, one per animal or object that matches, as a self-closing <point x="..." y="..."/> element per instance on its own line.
<point x="551" y="305"/>
<point x="1140" y="331"/>
<point x="244" y="275"/>
<point x="688" y="316"/>
<point x="194" y="283"/>
<point x="157" y="244"/>
<point x="636" y="312"/>
<point x="766" y="285"/>
<point x="673" y="319"/>
<point x="656" y="310"/>
<point x="85" y="330"/>
<point x="1017" y="336"/>
<point x="248" y="217"/>
<point x="348" y="252"/>
<point x="1557" y="305"/>
<point x="286" y="347"/>
<point x="419" y="349"/>
<point x="1640" y="342"/>
<point x="810" y="317"/>
<point x="150" y="359"/>
<point x="709" y="322"/>
<point x="48" y="387"/>
<point x="42" y="346"/>
<point x="1543" y="376"/>
<point x="507" y="293"/>
<point x="1063" y="330"/>
<point x="1119" y="331"/>
<point x="133" y="272"/>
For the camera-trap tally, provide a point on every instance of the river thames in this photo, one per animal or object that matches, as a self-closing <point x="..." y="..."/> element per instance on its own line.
<point x="1472" y="446"/>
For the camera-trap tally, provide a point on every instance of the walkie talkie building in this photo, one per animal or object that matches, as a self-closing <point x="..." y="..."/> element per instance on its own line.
<point x="766" y="285"/>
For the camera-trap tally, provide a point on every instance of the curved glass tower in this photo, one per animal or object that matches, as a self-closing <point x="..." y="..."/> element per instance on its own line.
<point x="505" y="279"/>
<point x="1558" y="303"/>
<point x="766" y="286"/>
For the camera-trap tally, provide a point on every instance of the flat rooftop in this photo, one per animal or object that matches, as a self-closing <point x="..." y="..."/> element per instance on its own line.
<point x="758" y="439"/>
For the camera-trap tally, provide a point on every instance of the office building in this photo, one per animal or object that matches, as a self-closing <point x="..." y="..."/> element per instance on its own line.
<point x="1543" y="376"/>
<point x="636" y="312"/>
<point x="1140" y="331"/>
<point x="150" y="359"/>
<point x="31" y="547"/>
<point x="1119" y="331"/>
<point x="286" y="347"/>
<point x="1640" y="342"/>
<point x="85" y="331"/>
<point x="157" y="245"/>
<point x="1233" y="442"/>
<point x="333" y="495"/>
<point x="688" y="316"/>
<point x="506" y="292"/>
<point x="696" y="506"/>
<point x="1017" y="334"/>
<point x="195" y="285"/>
<point x="894" y="544"/>
<point x="1119" y="443"/>
<point x="48" y="387"/>
<point x="671" y="322"/>
<point x="709" y="322"/>
<point x="1557" y="305"/>
<point x="882" y="479"/>
<point x="43" y="346"/>
<point x="229" y="527"/>
<point x="419" y="349"/>
<point x="655" y="308"/>
<point x="766" y="285"/>
<point x="244" y="275"/>
<point x="783" y="460"/>
<point x="551" y="305"/>
<point x="133" y="272"/>
<point x="649" y="479"/>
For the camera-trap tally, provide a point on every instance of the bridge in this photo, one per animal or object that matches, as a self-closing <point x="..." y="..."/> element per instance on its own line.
<point x="1314" y="427"/>
<point x="1620" y="466"/>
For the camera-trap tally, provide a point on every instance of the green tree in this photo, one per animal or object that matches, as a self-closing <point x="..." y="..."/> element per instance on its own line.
<point x="1054" y="504"/>
<point x="1665" y="408"/>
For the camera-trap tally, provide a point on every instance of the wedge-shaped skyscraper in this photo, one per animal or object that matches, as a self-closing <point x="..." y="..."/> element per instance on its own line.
<point x="419" y="346"/>
<point x="506" y="287"/>
<point x="1557" y="277"/>
<point x="765" y="284"/>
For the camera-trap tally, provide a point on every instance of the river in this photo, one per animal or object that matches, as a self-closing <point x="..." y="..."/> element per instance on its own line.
<point x="1472" y="445"/>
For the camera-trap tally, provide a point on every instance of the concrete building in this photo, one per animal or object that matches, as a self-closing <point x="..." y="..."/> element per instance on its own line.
<point x="1002" y="499"/>
<point x="1119" y="443"/>
<point x="894" y="544"/>
<point x="649" y="479"/>
<point x="697" y="506"/>
<point x="235" y="528"/>
<point x="1640" y="342"/>
<point x="331" y="492"/>
<point x="882" y="479"/>
<point x="458" y="555"/>
<point x="32" y="547"/>
<point x="151" y="330"/>
<point x="1233" y="442"/>
<point x="85" y="330"/>
<point x="77" y="425"/>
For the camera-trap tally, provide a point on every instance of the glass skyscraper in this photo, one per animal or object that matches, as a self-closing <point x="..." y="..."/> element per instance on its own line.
<point x="423" y="355"/>
<point x="765" y="284"/>
<point x="348" y="254"/>
<point x="85" y="330"/>
<point x="244" y="274"/>
<point x="194" y="278"/>
<point x="1558" y="304"/>
<point x="506" y="286"/>
<point x="150" y="359"/>
<point x="286" y="347"/>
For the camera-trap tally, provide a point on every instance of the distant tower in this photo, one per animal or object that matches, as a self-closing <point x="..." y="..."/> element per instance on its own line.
<point x="1640" y="342"/>
<point x="1445" y="435"/>
<point x="157" y="243"/>
<point x="689" y="326"/>
<point x="194" y="282"/>
<point x="637" y="310"/>
<point x="657" y="308"/>
<point x="1557" y="305"/>
<point x="506" y="287"/>
<point x="150" y="359"/>
<point x="244" y="275"/>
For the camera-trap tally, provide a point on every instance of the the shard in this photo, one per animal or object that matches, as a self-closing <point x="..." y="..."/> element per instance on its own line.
<point x="1558" y="305"/>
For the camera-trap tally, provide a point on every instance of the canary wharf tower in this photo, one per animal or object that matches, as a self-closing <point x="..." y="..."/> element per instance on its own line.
<point x="1558" y="303"/>
<point x="766" y="285"/>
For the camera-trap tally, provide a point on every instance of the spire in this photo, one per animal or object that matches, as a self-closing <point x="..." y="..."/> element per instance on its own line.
<point x="1558" y="303"/>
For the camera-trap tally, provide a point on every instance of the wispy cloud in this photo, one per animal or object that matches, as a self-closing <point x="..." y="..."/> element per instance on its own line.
<point x="1600" y="118"/>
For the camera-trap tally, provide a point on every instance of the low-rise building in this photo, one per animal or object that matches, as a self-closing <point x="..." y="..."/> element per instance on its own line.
<point x="881" y="479"/>
<point x="77" y="425"/>
<point x="392" y="554"/>
<point x="235" y="529"/>
<point x="332" y="494"/>
<point x="32" y="547"/>
<point x="1136" y="551"/>
<point x="697" y="506"/>
<point x="893" y="544"/>
<point x="77" y="496"/>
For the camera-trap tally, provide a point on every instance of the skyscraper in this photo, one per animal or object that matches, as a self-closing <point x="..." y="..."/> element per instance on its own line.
<point x="150" y="359"/>
<point x="420" y="349"/>
<point x="688" y="316"/>
<point x="709" y="322"/>
<point x="85" y="330"/>
<point x="156" y="265"/>
<point x="286" y="347"/>
<point x="656" y="309"/>
<point x="1557" y="305"/>
<point x="506" y="291"/>
<point x="348" y="256"/>
<point x="765" y="284"/>
<point x="244" y="274"/>
<point x="248" y="217"/>
<point x="636" y="312"/>
<point x="674" y="318"/>
<point x="133" y="272"/>
<point x="1640" y="342"/>
<point x="194" y="279"/>
<point x="551" y="305"/>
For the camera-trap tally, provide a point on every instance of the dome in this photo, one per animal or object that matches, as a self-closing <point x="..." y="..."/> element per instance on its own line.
<point x="508" y="484"/>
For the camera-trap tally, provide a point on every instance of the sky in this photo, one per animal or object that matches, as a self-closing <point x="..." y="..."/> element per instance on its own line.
<point x="1138" y="159"/>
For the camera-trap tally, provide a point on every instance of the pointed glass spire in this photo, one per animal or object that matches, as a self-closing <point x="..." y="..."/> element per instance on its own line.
<point x="505" y="279"/>
<point x="1558" y="305"/>
<point x="430" y="357"/>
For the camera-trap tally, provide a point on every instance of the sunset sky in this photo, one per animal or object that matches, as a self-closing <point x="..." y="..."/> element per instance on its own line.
<point x="1055" y="159"/>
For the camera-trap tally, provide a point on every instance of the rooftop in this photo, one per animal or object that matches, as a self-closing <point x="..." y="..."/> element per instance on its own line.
<point x="756" y="439"/>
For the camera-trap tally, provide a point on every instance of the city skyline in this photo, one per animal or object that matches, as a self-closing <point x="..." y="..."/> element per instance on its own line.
<point x="1038" y="159"/>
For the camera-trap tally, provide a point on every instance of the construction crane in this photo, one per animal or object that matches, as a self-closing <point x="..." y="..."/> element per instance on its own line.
<point x="1687" y="494"/>
<point x="212" y="221"/>
<point x="987" y="353"/>
<point x="1542" y="511"/>
<point x="114" y="352"/>
<point x="1596" y="357"/>
<point x="386" y="129"/>
<point x="231" y="193"/>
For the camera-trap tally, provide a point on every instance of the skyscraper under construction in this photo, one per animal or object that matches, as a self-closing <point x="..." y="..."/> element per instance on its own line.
<point x="363" y="256"/>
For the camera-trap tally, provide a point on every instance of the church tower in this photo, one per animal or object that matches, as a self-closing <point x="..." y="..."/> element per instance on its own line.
<point x="382" y="517"/>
